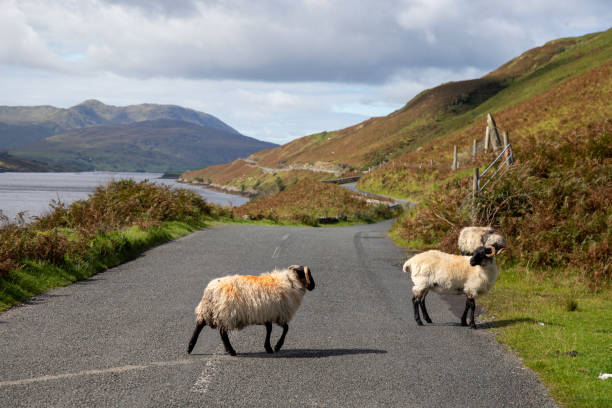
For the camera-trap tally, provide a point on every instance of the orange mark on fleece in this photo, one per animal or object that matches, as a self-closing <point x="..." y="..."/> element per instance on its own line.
<point x="266" y="281"/>
<point x="228" y="289"/>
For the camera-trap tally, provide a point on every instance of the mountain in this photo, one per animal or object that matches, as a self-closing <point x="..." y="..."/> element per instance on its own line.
<point x="452" y="113"/>
<point x="150" y="145"/>
<point x="21" y="125"/>
<point x="10" y="163"/>
<point x="146" y="137"/>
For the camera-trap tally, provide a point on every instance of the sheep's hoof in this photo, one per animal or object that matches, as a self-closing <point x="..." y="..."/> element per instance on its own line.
<point x="464" y="323"/>
<point x="231" y="352"/>
<point x="277" y="348"/>
<point x="473" y="326"/>
<point x="420" y="323"/>
<point x="269" y="350"/>
<point x="428" y="320"/>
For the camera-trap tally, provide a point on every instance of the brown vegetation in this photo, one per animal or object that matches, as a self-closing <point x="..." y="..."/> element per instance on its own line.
<point x="554" y="206"/>
<point x="310" y="200"/>
<point x="69" y="231"/>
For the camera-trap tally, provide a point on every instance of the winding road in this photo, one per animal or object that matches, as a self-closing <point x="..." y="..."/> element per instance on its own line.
<point x="120" y="338"/>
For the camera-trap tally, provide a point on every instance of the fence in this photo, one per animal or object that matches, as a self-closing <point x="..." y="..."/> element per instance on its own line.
<point x="508" y="158"/>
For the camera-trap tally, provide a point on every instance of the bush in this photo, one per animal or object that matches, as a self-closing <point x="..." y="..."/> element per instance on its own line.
<point x="554" y="205"/>
<point x="68" y="231"/>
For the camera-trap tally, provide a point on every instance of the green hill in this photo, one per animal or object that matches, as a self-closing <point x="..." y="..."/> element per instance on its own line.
<point x="427" y="126"/>
<point x="146" y="137"/>
<point x="154" y="145"/>
<point x="38" y="122"/>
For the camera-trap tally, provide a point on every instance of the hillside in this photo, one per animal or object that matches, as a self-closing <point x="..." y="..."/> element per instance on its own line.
<point x="11" y="163"/>
<point x="425" y="127"/>
<point x="95" y="136"/>
<point x="21" y="125"/>
<point x="152" y="145"/>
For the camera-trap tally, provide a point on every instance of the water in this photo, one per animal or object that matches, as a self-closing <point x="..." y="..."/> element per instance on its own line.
<point x="33" y="192"/>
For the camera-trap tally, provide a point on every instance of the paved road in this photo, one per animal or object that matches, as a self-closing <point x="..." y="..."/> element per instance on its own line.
<point x="120" y="338"/>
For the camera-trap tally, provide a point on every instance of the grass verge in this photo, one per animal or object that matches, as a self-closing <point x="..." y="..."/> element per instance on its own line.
<point x="560" y="329"/>
<point x="105" y="251"/>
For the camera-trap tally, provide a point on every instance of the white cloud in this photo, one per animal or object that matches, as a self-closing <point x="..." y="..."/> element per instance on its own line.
<point x="275" y="69"/>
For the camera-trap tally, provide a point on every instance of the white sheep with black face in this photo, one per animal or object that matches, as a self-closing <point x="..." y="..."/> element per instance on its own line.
<point x="234" y="302"/>
<point x="440" y="272"/>
<point x="471" y="238"/>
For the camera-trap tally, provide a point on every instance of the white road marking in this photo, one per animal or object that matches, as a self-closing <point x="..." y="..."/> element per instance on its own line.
<point x="277" y="249"/>
<point x="203" y="382"/>
<point x="112" y="370"/>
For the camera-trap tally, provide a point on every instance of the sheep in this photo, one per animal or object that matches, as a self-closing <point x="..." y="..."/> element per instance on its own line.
<point x="234" y="302"/>
<point x="471" y="238"/>
<point x="447" y="273"/>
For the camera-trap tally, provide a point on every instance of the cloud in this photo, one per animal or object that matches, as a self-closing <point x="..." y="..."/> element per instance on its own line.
<point x="273" y="69"/>
<point x="308" y="40"/>
<point x="20" y="44"/>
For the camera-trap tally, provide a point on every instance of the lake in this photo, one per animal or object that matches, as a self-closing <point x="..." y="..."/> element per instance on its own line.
<point x="33" y="192"/>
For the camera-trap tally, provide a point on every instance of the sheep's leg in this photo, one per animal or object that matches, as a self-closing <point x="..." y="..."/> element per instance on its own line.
<point x="465" y="312"/>
<point x="194" y="337"/>
<point x="415" y="304"/>
<point x="473" y="307"/>
<point x="226" y="341"/>
<point x="424" y="310"/>
<point x="268" y="333"/>
<point x="281" y="341"/>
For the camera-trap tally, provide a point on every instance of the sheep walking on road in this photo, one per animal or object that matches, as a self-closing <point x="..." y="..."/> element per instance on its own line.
<point x="234" y="302"/>
<point x="446" y="273"/>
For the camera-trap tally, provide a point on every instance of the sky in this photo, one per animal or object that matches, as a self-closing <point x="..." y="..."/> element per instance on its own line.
<point x="277" y="69"/>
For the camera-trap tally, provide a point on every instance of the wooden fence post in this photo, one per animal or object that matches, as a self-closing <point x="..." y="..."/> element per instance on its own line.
<point x="474" y="147"/>
<point x="487" y="139"/>
<point x="455" y="162"/>
<point x="474" y="194"/>
<point x="495" y="141"/>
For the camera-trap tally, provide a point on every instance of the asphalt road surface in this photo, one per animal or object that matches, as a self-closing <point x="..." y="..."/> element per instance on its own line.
<point x="120" y="338"/>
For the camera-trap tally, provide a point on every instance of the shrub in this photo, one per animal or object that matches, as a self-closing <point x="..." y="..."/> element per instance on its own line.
<point x="554" y="205"/>
<point x="68" y="231"/>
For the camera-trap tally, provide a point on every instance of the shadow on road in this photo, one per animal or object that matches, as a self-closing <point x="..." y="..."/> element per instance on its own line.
<point x="313" y="353"/>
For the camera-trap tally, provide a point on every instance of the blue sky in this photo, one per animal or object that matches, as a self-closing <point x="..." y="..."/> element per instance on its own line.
<point x="275" y="70"/>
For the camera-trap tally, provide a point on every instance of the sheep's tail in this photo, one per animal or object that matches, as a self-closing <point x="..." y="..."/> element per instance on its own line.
<point x="196" y="333"/>
<point x="406" y="267"/>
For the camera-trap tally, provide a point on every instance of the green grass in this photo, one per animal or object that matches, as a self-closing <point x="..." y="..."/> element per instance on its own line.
<point x="559" y="328"/>
<point x="106" y="250"/>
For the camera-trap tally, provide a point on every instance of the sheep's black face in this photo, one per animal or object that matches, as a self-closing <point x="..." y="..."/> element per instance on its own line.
<point x="311" y="283"/>
<point x="479" y="255"/>
<point x="303" y="274"/>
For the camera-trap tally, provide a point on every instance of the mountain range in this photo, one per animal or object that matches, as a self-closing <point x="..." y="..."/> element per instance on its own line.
<point x="145" y="137"/>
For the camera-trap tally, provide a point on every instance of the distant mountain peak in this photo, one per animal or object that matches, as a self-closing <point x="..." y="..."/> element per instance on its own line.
<point x="91" y="103"/>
